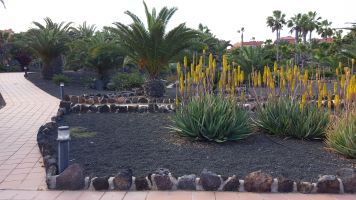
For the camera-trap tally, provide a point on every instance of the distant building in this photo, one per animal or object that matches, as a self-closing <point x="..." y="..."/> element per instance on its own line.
<point x="291" y="40"/>
<point x="252" y="43"/>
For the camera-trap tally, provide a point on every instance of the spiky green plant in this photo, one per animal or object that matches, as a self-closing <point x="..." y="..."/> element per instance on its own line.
<point x="341" y="136"/>
<point x="151" y="46"/>
<point x="212" y="118"/>
<point x="48" y="42"/>
<point x="284" y="117"/>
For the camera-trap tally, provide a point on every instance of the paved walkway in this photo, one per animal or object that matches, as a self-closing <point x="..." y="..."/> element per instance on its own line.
<point x="22" y="175"/>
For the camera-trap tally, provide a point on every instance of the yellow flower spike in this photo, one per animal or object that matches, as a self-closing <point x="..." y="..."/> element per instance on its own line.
<point x="259" y="79"/>
<point x="319" y="101"/>
<point x="335" y="87"/>
<point x="293" y="85"/>
<point x="329" y="101"/>
<point x="342" y="81"/>
<point x="324" y="90"/>
<point x="232" y="91"/>
<point x="181" y="84"/>
<point x="295" y="70"/>
<point x="305" y="77"/>
<point x="352" y="61"/>
<point x="275" y="67"/>
<point x="201" y="60"/>
<point x="242" y="76"/>
<point x="178" y="69"/>
<point x="340" y="65"/>
<point x="282" y="71"/>
<point x="336" y="100"/>
<point x="177" y="101"/>
<point x="310" y="89"/>
<point x="185" y="61"/>
<point x="337" y="71"/>
<point x="189" y="82"/>
<point x="302" y="103"/>
<point x="204" y="51"/>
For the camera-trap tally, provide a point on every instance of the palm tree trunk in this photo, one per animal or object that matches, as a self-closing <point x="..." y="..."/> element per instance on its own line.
<point x="277" y="45"/>
<point x="296" y="44"/>
<point x="46" y="71"/>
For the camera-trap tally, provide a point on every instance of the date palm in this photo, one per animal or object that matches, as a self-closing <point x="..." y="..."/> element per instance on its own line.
<point x="48" y="42"/>
<point x="151" y="47"/>
<point x="242" y="30"/>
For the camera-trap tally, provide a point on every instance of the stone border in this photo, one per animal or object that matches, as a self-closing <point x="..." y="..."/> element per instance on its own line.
<point x="72" y="178"/>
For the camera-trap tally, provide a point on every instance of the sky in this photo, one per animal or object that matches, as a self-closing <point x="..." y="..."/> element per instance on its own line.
<point x="223" y="17"/>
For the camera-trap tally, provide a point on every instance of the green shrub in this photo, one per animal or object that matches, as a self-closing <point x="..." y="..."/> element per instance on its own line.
<point x="87" y="82"/>
<point x="283" y="117"/>
<point x="212" y="118"/>
<point x="60" y="78"/>
<point x="126" y="81"/>
<point x="341" y="137"/>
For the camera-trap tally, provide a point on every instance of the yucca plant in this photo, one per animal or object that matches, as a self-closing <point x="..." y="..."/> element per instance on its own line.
<point x="150" y="46"/>
<point x="341" y="136"/>
<point x="48" y="42"/>
<point x="287" y="118"/>
<point x="212" y="118"/>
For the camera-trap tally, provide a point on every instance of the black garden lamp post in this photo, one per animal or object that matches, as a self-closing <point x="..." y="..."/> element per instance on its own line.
<point x="25" y="69"/>
<point x="63" y="147"/>
<point x="61" y="90"/>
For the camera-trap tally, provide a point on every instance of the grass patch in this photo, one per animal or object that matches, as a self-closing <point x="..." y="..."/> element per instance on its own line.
<point x="81" y="132"/>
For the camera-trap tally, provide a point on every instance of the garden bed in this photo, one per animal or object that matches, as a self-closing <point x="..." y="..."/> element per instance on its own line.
<point x="142" y="142"/>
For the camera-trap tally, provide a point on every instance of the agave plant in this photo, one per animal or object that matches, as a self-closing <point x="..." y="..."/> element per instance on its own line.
<point x="48" y="42"/>
<point x="212" y="118"/>
<point x="151" y="46"/>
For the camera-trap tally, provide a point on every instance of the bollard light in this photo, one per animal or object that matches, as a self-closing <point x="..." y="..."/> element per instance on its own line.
<point x="25" y="69"/>
<point x="61" y="89"/>
<point x="63" y="133"/>
<point x="63" y="139"/>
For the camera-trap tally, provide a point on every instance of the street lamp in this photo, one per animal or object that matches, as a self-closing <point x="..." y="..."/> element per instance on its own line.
<point x="61" y="89"/>
<point x="63" y="147"/>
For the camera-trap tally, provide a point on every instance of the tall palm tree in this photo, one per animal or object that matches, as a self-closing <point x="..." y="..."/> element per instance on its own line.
<point x="242" y="30"/>
<point x="314" y="23"/>
<point x="295" y="25"/>
<point x="151" y="47"/>
<point x="48" y="42"/>
<point x="276" y="23"/>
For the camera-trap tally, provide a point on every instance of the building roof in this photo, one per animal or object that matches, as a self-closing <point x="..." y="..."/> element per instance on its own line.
<point x="249" y="44"/>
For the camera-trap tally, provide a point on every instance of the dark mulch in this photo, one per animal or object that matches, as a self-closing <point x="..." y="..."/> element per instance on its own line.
<point x="142" y="142"/>
<point x="2" y="102"/>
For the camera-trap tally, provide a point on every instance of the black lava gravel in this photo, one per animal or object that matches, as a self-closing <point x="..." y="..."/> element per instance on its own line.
<point x="143" y="143"/>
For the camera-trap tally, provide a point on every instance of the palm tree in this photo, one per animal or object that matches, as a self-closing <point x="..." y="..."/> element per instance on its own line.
<point x="242" y="30"/>
<point x="313" y="23"/>
<point x="295" y="23"/>
<point x="276" y="23"/>
<point x="151" y="47"/>
<point x="3" y="3"/>
<point x="48" y="42"/>
<point x="325" y="31"/>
